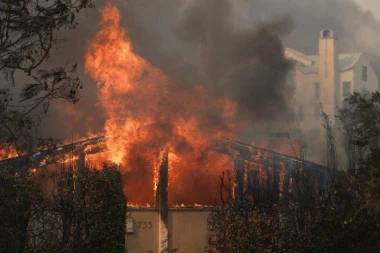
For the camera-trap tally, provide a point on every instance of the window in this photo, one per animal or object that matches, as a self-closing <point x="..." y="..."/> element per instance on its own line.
<point x="346" y="89"/>
<point x="364" y="73"/>
<point x="316" y="91"/>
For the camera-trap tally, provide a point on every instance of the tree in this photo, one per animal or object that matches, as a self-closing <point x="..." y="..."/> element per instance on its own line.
<point x="86" y="213"/>
<point x="28" y="30"/>
<point x="330" y="141"/>
<point x="360" y="119"/>
<point x="358" y="196"/>
<point x="74" y="218"/>
<point x="239" y="225"/>
<point x="284" y="209"/>
<point x="271" y="218"/>
<point x="107" y="209"/>
<point x="18" y="193"/>
<point x="341" y="218"/>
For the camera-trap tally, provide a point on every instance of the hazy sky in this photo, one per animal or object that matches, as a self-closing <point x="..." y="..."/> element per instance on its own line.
<point x="373" y="5"/>
<point x="150" y="25"/>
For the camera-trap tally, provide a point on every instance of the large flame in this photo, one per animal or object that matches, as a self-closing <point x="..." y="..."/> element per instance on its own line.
<point x="147" y="112"/>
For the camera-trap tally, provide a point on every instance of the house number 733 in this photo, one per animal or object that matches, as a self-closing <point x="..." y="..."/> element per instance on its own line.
<point x="144" y="225"/>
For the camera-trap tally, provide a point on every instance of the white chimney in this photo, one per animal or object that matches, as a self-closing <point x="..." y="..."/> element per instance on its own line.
<point x="329" y="72"/>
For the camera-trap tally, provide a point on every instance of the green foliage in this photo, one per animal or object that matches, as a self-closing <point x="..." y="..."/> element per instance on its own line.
<point x="92" y="215"/>
<point x="357" y="221"/>
<point x="235" y="228"/>
<point x="361" y="119"/>
<point x="343" y="218"/>
<point x="85" y="214"/>
<point x="357" y="197"/>
<point x="107" y="213"/>
<point x="18" y="193"/>
<point x="330" y="141"/>
<point x="28" y="27"/>
<point x="28" y="30"/>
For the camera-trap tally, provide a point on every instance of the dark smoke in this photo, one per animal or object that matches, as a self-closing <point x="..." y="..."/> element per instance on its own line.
<point x="195" y="41"/>
<point x="357" y="30"/>
<point x="247" y="65"/>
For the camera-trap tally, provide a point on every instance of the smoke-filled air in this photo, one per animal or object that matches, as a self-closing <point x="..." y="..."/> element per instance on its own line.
<point x="237" y="80"/>
<point x="189" y="126"/>
<point x="175" y="75"/>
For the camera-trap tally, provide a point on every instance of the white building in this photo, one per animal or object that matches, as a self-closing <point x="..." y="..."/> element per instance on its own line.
<point x="327" y="78"/>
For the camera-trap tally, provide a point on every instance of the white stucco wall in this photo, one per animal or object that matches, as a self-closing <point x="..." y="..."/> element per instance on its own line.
<point x="304" y="97"/>
<point x="187" y="230"/>
<point x="372" y="81"/>
<point x="304" y="94"/>
<point x="144" y="238"/>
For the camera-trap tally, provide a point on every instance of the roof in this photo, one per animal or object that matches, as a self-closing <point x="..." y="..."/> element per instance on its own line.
<point x="298" y="56"/>
<point x="346" y="61"/>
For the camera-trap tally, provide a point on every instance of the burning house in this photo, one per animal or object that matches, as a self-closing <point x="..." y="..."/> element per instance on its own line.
<point x="170" y="137"/>
<point x="166" y="225"/>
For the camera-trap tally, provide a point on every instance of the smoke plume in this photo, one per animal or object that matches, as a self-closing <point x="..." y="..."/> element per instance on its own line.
<point x="245" y="65"/>
<point x="224" y="46"/>
<point x="170" y="75"/>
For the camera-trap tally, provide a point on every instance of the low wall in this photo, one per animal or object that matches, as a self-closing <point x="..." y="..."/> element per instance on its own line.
<point x="187" y="230"/>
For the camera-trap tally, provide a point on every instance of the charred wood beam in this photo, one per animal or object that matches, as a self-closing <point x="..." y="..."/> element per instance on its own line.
<point x="162" y="202"/>
<point x="256" y="154"/>
<point x="232" y="148"/>
<point x="51" y="156"/>
<point x="239" y="170"/>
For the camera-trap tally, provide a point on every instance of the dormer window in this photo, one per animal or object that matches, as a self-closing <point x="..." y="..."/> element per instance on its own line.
<point x="364" y="73"/>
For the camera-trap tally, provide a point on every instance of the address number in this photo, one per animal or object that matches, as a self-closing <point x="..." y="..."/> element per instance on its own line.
<point x="144" y="225"/>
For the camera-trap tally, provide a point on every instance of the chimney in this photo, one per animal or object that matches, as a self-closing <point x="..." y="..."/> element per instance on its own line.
<point x="329" y="72"/>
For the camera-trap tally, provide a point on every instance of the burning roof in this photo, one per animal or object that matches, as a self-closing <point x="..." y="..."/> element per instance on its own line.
<point x="149" y="110"/>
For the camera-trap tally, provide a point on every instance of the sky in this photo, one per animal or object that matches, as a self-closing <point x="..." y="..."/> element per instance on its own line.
<point x="153" y="38"/>
<point x="373" y="5"/>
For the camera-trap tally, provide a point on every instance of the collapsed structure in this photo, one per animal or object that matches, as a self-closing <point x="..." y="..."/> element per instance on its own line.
<point x="165" y="227"/>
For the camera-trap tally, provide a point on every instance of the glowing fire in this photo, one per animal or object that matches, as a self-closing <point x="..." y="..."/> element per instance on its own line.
<point x="148" y="112"/>
<point x="134" y="205"/>
<point x="190" y="205"/>
<point x="7" y="151"/>
<point x="67" y="159"/>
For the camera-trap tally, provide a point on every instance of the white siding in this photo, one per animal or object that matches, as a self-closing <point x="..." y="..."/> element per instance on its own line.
<point x="347" y="76"/>
<point x="304" y="97"/>
<point x="372" y="82"/>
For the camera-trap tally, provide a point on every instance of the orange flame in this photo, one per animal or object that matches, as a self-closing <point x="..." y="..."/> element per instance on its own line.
<point x="7" y="151"/>
<point x="147" y="111"/>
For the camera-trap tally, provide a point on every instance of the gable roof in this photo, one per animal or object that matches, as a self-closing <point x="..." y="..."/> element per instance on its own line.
<point x="346" y="61"/>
